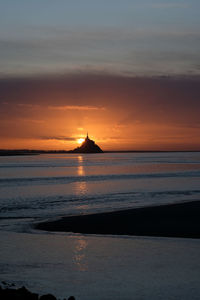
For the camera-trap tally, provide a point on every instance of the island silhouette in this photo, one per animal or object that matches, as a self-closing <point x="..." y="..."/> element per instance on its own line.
<point x="88" y="146"/>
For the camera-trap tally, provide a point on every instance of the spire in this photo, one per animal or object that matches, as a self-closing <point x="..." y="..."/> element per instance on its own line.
<point x="87" y="137"/>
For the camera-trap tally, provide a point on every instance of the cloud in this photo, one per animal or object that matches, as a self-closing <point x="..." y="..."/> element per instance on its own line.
<point x="123" y="99"/>
<point x="29" y="120"/>
<point x="58" y="138"/>
<point x="137" y="108"/>
<point x="101" y="49"/>
<point x="76" y="107"/>
<point x="31" y="106"/>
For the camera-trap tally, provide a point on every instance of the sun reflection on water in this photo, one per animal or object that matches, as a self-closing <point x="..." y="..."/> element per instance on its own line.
<point x="79" y="254"/>
<point x="81" y="171"/>
<point x="81" y="187"/>
<point x="80" y="158"/>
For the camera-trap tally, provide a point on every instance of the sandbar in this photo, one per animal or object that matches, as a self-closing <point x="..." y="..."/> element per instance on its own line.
<point x="172" y="220"/>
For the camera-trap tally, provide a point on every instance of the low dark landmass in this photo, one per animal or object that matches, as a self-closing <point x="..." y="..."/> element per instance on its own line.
<point x="18" y="152"/>
<point x="9" y="293"/>
<point x="37" y="152"/>
<point x="174" y="220"/>
<point x="30" y="152"/>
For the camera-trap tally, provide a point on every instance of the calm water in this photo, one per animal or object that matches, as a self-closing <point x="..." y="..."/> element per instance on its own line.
<point x="35" y="188"/>
<point x="47" y="186"/>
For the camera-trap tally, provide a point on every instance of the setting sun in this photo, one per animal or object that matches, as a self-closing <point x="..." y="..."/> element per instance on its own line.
<point x="80" y="141"/>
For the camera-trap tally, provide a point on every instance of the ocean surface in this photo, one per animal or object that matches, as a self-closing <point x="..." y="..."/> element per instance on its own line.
<point x="41" y="187"/>
<point x="48" y="186"/>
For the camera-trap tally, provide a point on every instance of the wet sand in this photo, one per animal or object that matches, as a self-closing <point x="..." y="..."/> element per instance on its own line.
<point x="174" y="220"/>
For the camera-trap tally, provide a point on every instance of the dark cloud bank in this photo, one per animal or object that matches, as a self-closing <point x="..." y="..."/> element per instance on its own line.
<point x="163" y="98"/>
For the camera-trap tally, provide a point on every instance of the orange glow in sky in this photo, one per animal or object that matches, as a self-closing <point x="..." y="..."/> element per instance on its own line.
<point x="127" y="72"/>
<point x="119" y="113"/>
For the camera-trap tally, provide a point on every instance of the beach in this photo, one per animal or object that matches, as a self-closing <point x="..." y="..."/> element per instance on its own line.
<point x="173" y="220"/>
<point x="138" y="207"/>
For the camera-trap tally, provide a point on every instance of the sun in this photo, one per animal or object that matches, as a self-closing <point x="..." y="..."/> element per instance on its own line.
<point x="80" y="141"/>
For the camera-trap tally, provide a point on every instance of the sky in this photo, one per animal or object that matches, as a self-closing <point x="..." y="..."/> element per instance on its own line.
<point x="126" y="71"/>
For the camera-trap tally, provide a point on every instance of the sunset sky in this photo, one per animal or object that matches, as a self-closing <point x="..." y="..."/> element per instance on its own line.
<point x="126" y="71"/>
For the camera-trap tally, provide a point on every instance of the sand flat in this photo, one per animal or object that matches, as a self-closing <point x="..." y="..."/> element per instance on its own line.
<point x="174" y="220"/>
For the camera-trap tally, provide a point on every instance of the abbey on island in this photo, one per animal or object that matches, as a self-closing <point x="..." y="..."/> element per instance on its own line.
<point x="88" y="146"/>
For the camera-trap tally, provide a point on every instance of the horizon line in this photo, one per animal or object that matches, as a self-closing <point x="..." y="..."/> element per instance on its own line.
<point x="106" y="151"/>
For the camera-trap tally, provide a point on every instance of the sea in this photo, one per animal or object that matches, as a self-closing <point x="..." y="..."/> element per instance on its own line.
<point x="36" y="188"/>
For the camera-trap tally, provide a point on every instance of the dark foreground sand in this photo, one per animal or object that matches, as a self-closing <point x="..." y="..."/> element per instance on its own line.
<point x="174" y="220"/>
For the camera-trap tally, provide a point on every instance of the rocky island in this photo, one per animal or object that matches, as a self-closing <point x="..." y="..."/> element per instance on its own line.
<point x="88" y="146"/>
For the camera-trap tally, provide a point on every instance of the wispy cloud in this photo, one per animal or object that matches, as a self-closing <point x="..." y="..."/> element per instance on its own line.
<point x="30" y="120"/>
<point x="58" y="138"/>
<point x="75" y="107"/>
<point x="26" y="105"/>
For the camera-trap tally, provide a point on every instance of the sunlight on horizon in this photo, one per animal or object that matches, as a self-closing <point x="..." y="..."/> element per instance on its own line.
<point x="80" y="140"/>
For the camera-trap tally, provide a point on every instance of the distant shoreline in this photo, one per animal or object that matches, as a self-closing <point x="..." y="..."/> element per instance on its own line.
<point x="172" y="220"/>
<point x="38" y="152"/>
